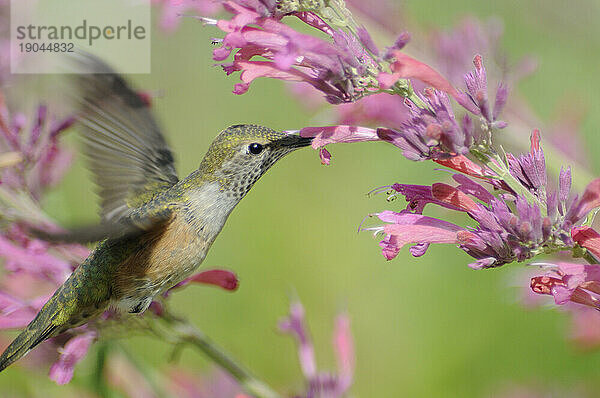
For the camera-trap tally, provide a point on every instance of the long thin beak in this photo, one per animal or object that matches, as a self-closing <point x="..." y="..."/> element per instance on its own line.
<point x="293" y="141"/>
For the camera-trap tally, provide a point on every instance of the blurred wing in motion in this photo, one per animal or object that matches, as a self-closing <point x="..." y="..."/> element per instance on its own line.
<point x="128" y="155"/>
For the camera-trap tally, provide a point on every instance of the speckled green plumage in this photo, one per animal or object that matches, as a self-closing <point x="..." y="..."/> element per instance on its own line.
<point x="221" y="149"/>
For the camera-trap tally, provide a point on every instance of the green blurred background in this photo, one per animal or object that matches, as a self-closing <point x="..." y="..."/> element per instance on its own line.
<point x="427" y="327"/>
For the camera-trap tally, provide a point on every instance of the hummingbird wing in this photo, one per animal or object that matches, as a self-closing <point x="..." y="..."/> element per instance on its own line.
<point x="128" y="155"/>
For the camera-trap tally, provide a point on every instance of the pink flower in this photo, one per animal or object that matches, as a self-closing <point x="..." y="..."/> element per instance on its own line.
<point x="320" y="384"/>
<point x="568" y="282"/>
<point x="325" y="156"/>
<point x="406" y="67"/>
<point x="477" y="87"/>
<point x="465" y="165"/>
<point x="511" y="227"/>
<point x="589" y="201"/>
<point x="336" y="134"/>
<point x="588" y="238"/>
<point x="335" y="67"/>
<point x="294" y="324"/>
<point x="73" y="352"/>
<point x="405" y="228"/>
<point x="224" y="279"/>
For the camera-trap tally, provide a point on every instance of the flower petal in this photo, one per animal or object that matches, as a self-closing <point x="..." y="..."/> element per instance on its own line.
<point x="325" y="156"/>
<point x="217" y="277"/>
<point x="414" y="228"/>
<point x="464" y="165"/>
<point x="338" y="134"/>
<point x="452" y="196"/>
<point x="405" y="67"/>
<point x="587" y="237"/>
<point x="73" y="352"/>
<point x="295" y="325"/>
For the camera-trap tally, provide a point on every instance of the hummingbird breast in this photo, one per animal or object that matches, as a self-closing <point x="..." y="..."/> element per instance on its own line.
<point x="163" y="258"/>
<point x="172" y="251"/>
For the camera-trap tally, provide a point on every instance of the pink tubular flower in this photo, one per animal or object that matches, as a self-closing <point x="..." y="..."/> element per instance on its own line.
<point x="406" y="227"/>
<point x="342" y="68"/>
<point x="588" y="238"/>
<point x="322" y="385"/>
<point x="567" y="282"/>
<point x="325" y="156"/>
<point x="406" y="67"/>
<point x="510" y="227"/>
<point x="344" y="348"/>
<point x="224" y="279"/>
<point x="186" y="384"/>
<point x="464" y="165"/>
<point x="336" y="134"/>
<point x="73" y="352"/>
<point x="15" y="313"/>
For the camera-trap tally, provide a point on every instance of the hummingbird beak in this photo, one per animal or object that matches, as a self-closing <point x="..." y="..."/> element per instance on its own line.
<point x="293" y="141"/>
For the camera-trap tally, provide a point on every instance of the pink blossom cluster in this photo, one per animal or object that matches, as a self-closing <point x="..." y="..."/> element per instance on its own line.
<point x="517" y="213"/>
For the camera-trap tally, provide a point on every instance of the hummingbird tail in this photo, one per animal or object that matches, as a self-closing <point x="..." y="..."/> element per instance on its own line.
<point x="36" y="332"/>
<point x="56" y="316"/>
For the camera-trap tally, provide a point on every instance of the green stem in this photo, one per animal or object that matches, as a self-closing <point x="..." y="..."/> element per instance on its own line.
<point x="181" y="331"/>
<point x="99" y="381"/>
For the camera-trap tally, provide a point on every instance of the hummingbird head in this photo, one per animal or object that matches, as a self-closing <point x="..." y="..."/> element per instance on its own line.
<point x="241" y="154"/>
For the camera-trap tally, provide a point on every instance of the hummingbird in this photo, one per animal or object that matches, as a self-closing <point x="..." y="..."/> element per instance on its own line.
<point x="155" y="229"/>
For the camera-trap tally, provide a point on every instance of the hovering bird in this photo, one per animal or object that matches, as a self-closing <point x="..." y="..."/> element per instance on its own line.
<point x="156" y="229"/>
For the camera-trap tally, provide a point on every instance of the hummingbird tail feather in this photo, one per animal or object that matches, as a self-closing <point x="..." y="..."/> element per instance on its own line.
<point x="60" y="313"/>
<point x="36" y="332"/>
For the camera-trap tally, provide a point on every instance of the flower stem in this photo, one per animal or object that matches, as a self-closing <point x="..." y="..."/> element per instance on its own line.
<point x="99" y="381"/>
<point x="182" y="332"/>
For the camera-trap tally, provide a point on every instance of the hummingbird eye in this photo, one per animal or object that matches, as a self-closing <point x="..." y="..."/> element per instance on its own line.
<point x="255" y="148"/>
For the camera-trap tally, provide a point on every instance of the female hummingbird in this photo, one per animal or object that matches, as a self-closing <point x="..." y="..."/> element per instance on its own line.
<point x="156" y="229"/>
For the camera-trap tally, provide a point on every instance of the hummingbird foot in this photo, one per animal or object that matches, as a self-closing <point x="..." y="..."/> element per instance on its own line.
<point x="135" y="305"/>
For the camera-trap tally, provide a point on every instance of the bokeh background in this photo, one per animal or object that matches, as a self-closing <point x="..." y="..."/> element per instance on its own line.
<point x="427" y="327"/>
